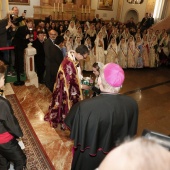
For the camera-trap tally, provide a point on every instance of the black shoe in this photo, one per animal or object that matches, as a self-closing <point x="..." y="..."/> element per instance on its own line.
<point x="11" y="74"/>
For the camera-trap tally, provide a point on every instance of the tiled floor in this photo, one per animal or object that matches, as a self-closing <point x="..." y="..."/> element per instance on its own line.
<point x="149" y="87"/>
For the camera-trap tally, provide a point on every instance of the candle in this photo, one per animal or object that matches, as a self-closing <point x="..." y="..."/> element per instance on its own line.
<point x="82" y="9"/>
<point x="54" y="7"/>
<point x="58" y="7"/>
<point x="85" y="9"/>
<point x="89" y="9"/>
<point x="62" y="8"/>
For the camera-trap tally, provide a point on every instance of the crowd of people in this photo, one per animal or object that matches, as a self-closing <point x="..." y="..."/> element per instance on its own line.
<point x="64" y="49"/>
<point x="128" y="44"/>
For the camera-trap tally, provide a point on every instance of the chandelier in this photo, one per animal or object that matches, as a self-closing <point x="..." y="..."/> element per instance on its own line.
<point x="135" y="1"/>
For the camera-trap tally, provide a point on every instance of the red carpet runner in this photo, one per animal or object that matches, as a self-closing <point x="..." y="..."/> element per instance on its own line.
<point x="36" y="157"/>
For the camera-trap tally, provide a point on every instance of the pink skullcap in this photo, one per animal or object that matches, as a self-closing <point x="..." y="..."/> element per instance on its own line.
<point x="114" y="74"/>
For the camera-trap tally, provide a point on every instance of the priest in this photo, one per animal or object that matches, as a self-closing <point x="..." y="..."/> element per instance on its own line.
<point x="98" y="124"/>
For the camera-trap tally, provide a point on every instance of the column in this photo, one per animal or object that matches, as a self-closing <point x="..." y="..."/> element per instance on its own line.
<point x="32" y="78"/>
<point x="4" y="8"/>
<point x="7" y="6"/>
<point x="0" y="9"/>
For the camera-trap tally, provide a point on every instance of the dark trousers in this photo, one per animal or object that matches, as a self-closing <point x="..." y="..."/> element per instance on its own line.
<point x="50" y="79"/>
<point x="3" y="57"/>
<point x="40" y="69"/>
<point x="12" y="152"/>
<point x="19" y="60"/>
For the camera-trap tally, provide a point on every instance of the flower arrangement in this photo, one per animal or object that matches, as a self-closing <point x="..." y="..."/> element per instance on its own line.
<point x="89" y="82"/>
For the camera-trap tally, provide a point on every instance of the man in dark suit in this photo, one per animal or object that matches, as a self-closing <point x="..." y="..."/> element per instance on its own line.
<point x="151" y="20"/>
<point x="66" y="24"/>
<point x="145" y="23"/>
<point x="22" y="37"/>
<point x="96" y="19"/>
<point x="53" y="59"/>
<point x="39" y="58"/>
<point x="16" y="19"/>
<point x="132" y="26"/>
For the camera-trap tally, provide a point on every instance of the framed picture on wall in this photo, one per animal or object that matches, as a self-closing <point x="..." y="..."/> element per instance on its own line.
<point x="19" y="2"/>
<point x="105" y="5"/>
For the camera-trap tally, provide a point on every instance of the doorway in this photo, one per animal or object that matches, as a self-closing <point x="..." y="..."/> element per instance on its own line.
<point x="131" y="13"/>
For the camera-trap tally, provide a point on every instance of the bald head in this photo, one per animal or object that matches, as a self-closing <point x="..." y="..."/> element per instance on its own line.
<point x="53" y="34"/>
<point x="139" y="154"/>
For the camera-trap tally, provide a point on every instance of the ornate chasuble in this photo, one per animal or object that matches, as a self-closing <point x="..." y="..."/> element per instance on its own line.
<point x="67" y="90"/>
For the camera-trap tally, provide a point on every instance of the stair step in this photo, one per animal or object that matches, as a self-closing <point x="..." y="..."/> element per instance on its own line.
<point x="162" y="24"/>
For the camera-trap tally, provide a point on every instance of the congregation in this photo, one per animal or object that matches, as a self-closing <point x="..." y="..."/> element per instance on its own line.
<point x="130" y="44"/>
<point x="63" y="49"/>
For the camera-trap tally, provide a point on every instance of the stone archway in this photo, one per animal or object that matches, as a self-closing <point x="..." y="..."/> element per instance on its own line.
<point x="131" y="13"/>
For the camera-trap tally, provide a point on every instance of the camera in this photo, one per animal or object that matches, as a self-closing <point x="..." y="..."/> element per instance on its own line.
<point x="11" y="17"/>
<point x="31" y="34"/>
<point x="14" y="20"/>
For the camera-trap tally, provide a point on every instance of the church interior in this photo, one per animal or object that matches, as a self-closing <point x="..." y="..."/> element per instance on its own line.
<point x="49" y="148"/>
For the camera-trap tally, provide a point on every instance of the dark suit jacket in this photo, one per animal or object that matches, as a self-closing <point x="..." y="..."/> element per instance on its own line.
<point x="145" y="23"/>
<point x="151" y="21"/>
<point x="53" y="56"/>
<point x="53" y="59"/>
<point x="20" y="40"/>
<point x="39" y="57"/>
<point x="95" y="20"/>
<point x="3" y="32"/>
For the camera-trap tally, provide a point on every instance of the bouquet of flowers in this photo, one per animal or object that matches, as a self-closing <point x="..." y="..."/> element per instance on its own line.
<point x="89" y="82"/>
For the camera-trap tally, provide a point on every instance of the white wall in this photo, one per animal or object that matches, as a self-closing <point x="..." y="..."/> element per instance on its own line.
<point x="140" y="9"/>
<point x="107" y="15"/>
<point x="29" y="8"/>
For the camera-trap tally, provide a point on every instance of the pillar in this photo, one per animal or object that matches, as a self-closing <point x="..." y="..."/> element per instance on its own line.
<point x="32" y="78"/>
<point x="0" y="9"/>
